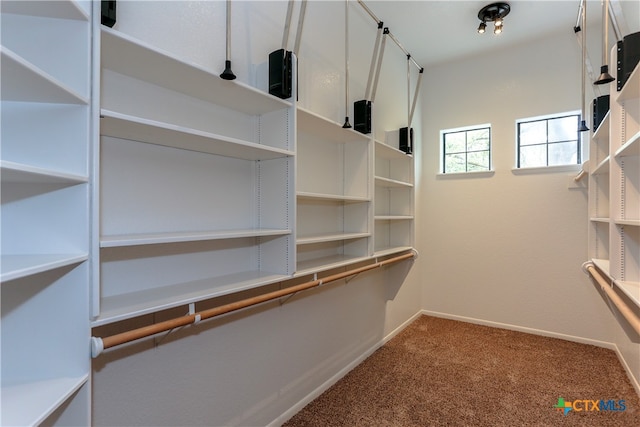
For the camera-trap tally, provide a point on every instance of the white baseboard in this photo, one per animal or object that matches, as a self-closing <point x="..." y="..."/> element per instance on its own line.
<point x="634" y="381"/>
<point x="581" y="340"/>
<point x="344" y="371"/>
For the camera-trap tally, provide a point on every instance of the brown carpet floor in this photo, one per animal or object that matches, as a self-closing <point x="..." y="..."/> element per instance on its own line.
<point x="440" y="372"/>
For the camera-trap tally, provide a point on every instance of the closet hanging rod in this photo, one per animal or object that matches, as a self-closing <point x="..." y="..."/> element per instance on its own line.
<point x="99" y="344"/>
<point x="622" y="307"/>
<point x="375" y="18"/>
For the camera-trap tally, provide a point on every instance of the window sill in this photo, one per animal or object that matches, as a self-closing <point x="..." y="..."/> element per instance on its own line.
<point x="461" y="175"/>
<point x="546" y="169"/>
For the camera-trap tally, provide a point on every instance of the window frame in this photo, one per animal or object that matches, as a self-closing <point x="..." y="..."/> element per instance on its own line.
<point x="466" y="129"/>
<point x="547" y="118"/>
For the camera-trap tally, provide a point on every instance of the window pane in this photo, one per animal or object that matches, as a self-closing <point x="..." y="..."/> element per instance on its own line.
<point x="563" y="129"/>
<point x="478" y="161"/>
<point x="533" y="132"/>
<point x="564" y="153"/>
<point x="478" y="140"/>
<point x="454" y="142"/>
<point x="533" y="156"/>
<point x="454" y="163"/>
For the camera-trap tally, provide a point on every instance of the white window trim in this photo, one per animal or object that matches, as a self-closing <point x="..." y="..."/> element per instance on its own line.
<point x="552" y="168"/>
<point x="460" y="129"/>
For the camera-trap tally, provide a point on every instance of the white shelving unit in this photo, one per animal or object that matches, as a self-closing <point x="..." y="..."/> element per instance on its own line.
<point x="334" y="202"/>
<point x="151" y="183"/>
<point x="394" y="195"/>
<point x="196" y="189"/>
<point x="614" y="193"/>
<point x="46" y="113"/>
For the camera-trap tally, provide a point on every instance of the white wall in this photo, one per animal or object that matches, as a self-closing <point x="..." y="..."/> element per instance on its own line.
<point x="507" y="248"/>
<point x="252" y="367"/>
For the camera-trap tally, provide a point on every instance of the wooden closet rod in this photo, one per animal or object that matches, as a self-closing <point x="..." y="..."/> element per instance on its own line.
<point x="99" y="344"/>
<point x="622" y="307"/>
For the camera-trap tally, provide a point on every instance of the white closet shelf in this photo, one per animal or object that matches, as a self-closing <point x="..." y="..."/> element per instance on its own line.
<point x="63" y="9"/>
<point x="600" y="219"/>
<point x="126" y="55"/>
<point x="388" y="152"/>
<point x="326" y="263"/>
<point x="602" y="167"/>
<point x="391" y="250"/>
<point x="22" y="173"/>
<point x="24" y="82"/>
<point x="386" y="182"/>
<point x="303" y="195"/>
<point x="631" y="89"/>
<point x="602" y="132"/>
<point x="631" y="222"/>
<point x="29" y="404"/>
<point x="602" y="264"/>
<point x="630" y="289"/>
<point x="19" y="266"/>
<point x="123" y="126"/>
<point x="330" y="237"/>
<point x="631" y="147"/>
<point x="318" y="125"/>
<point x="124" y="306"/>
<point x="393" y="217"/>
<point x="186" y="236"/>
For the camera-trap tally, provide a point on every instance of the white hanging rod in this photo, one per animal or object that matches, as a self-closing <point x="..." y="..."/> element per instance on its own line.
<point x="622" y="307"/>
<point x="98" y="345"/>
<point x="614" y="14"/>
<point x="375" y="18"/>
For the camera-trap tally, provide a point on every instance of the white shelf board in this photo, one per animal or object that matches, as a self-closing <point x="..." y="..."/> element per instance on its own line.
<point x="24" y="82"/>
<point x="125" y="306"/>
<point x="329" y="237"/>
<point x="602" y="264"/>
<point x="631" y="147"/>
<point x="631" y="88"/>
<point x="391" y="250"/>
<point x="602" y="167"/>
<point x="388" y="152"/>
<point x="327" y="263"/>
<point x="601" y="134"/>
<point x="631" y="222"/>
<point x="393" y="217"/>
<point x="386" y="182"/>
<point x="29" y="404"/>
<point x="21" y="173"/>
<point x="302" y="195"/>
<point x="126" y="55"/>
<point x="124" y="126"/>
<point x="599" y="219"/>
<point x="63" y="9"/>
<point x="19" y="266"/>
<point x="630" y="289"/>
<point x="186" y="236"/>
<point x="318" y="125"/>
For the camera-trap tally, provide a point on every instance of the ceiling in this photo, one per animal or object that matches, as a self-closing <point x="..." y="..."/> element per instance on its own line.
<point x="434" y="32"/>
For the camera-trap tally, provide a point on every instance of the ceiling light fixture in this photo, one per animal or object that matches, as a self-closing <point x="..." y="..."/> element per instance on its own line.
<point x="494" y="12"/>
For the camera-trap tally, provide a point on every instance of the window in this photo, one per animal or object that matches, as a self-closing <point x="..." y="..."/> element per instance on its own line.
<point x="466" y="149"/>
<point x="549" y="141"/>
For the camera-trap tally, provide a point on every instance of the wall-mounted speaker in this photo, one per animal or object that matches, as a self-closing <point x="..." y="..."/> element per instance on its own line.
<point x="628" y="50"/>
<point x="600" y="109"/>
<point x="108" y="13"/>
<point x="362" y="116"/>
<point x="280" y="73"/>
<point x="406" y="140"/>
